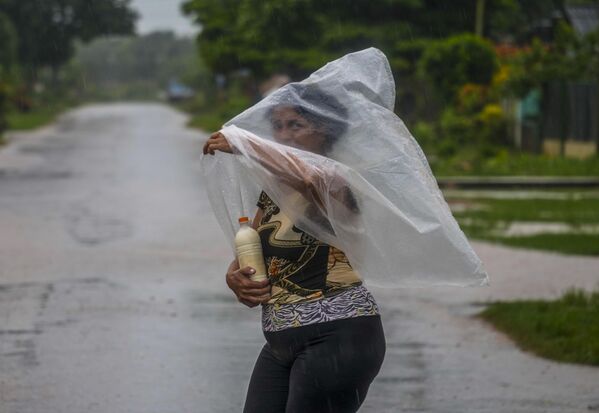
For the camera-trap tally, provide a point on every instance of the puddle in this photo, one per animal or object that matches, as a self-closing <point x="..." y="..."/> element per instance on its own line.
<point x="461" y="206"/>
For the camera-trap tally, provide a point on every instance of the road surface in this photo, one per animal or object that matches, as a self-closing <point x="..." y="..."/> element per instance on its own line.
<point x="112" y="293"/>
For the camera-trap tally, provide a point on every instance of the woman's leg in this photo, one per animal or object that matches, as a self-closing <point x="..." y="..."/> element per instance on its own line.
<point x="333" y="372"/>
<point x="269" y="384"/>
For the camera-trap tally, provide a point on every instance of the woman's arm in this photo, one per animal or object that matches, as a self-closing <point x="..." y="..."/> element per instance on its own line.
<point x="291" y="170"/>
<point x="288" y="168"/>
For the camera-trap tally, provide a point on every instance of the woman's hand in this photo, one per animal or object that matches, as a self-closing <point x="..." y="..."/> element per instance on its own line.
<point x="217" y="142"/>
<point x="251" y="293"/>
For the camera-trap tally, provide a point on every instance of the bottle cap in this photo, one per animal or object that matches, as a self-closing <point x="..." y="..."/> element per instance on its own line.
<point x="243" y="219"/>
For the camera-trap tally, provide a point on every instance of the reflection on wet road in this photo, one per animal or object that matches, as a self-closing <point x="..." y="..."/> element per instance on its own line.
<point x="112" y="293"/>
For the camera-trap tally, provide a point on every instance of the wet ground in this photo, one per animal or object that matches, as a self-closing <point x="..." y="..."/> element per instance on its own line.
<point x="112" y="293"/>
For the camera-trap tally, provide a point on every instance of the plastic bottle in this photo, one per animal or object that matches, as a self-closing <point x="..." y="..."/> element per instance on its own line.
<point x="249" y="249"/>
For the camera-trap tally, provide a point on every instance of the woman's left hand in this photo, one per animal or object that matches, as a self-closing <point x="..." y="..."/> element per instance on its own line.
<point x="217" y="142"/>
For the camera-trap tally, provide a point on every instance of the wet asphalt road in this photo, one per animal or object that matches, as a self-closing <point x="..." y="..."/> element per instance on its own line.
<point x="112" y="293"/>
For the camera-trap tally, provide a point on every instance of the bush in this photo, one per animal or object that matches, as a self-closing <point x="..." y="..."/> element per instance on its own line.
<point x="210" y="117"/>
<point x="8" y="45"/>
<point x="458" y="60"/>
<point x="3" y="108"/>
<point x="425" y="135"/>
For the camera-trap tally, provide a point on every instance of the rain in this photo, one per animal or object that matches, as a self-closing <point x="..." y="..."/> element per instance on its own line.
<point x="113" y="292"/>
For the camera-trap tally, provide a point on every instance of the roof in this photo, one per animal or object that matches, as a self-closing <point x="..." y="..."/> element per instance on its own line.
<point x="584" y="19"/>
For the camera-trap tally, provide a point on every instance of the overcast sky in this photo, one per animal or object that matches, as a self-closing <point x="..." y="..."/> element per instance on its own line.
<point x="162" y="14"/>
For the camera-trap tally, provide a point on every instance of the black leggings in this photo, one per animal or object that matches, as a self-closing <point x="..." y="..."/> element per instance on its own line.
<point x="317" y="368"/>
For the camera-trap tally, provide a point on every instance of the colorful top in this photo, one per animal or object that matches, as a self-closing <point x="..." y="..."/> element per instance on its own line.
<point x="311" y="281"/>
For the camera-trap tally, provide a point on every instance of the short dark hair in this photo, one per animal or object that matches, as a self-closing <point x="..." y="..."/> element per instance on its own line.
<point x="298" y="95"/>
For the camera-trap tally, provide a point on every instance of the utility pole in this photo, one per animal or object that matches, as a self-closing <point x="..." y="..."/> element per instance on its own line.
<point x="480" y="17"/>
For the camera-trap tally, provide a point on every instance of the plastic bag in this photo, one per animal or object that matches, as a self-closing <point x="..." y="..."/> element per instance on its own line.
<point x="332" y="154"/>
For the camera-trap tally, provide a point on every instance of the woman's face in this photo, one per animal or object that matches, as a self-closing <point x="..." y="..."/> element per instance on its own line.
<point x="291" y="129"/>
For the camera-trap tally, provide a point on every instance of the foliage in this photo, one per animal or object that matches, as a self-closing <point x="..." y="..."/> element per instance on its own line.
<point x="147" y="61"/>
<point x="577" y="208"/>
<point x="424" y="133"/>
<point x="297" y="36"/>
<point x="487" y="218"/>
<point x="458" y="60"/>
<point x="473" y="129"/>
<point x="570" y="57"/>
<point x="43" y="115"/>
<point x="8" y="45"/>
<point x="564" y="330"/>
<point x="212" y="112"/>
<point x="566" y="243"/>
<point x="213" y="117"/>
<point x="47" y="28"/>
<point x="506" y="162"/>
<point x="3" y="107"/>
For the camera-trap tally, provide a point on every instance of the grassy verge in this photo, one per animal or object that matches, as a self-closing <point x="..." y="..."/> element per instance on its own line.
<point x="509" y="164"/>
<point x="207" y="121"/>
<point x="563" y="330"/>
<point x="574" y="244"/>
<point x="488" y="217"/>
<point x="35" y="118"/>
<point x="212" y="117"/>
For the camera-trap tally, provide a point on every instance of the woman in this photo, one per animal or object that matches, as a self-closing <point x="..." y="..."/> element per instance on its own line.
<point x="325" y="342"/>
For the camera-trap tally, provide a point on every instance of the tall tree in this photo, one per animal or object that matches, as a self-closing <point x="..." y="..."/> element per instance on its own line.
<point x="47" y="29"/>
<point x="8" y="47"/>
<point x="297" y="36"/>
<point x="8" y="44"/>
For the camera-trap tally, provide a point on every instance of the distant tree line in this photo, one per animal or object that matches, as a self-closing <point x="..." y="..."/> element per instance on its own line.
<point x="452" y="74"/>
<point x="38" y="35"/>
<point x="297" y="36"/>
<point x="134" y="67"/>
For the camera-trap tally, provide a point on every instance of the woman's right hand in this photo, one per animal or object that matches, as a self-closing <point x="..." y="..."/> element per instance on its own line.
<point x="251" y="293"/>
<point x="217" y="142"/>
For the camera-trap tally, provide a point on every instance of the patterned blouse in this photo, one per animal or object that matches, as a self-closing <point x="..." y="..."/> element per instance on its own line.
<point x="311" y="281"/>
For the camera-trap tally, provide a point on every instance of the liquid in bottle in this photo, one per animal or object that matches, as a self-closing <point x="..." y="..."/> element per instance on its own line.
<point x="249" y="249"/>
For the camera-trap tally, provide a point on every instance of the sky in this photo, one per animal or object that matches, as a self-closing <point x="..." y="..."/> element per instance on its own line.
<point x="160" y="15"/>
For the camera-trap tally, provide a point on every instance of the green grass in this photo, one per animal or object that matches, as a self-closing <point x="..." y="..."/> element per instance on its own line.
<point x="572" y="211"/>
<point x="498" y="213"/>
<point x="208" y="121"/>
<point x="35" y="118"/>
<point x="566" y="329"/>
<point x="509" y="164"/>
<point x="573" y="244"/>
<point x="210" y="116"/>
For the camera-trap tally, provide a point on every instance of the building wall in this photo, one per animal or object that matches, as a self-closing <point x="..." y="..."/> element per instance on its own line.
<point x="572" y="148"/>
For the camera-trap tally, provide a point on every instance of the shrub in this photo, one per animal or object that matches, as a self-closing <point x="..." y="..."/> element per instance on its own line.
<point x="458" y="60"/>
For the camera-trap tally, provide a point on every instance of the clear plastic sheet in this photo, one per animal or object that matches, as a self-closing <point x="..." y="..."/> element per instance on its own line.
<point x="356" y="179"/>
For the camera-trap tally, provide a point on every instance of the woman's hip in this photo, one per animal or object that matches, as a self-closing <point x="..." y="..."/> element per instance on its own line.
<point x="360" y="337"/>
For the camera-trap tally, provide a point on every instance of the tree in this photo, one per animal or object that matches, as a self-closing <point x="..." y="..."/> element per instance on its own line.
<point x="8" y="44"/>
<point x="570" y="57"/>
<point x="47" y="29"/>
<point x="297" y="36"/>
<point x="153" y="59"/>
<point x="8" y="48"/>
<point x="458" y="60"/>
